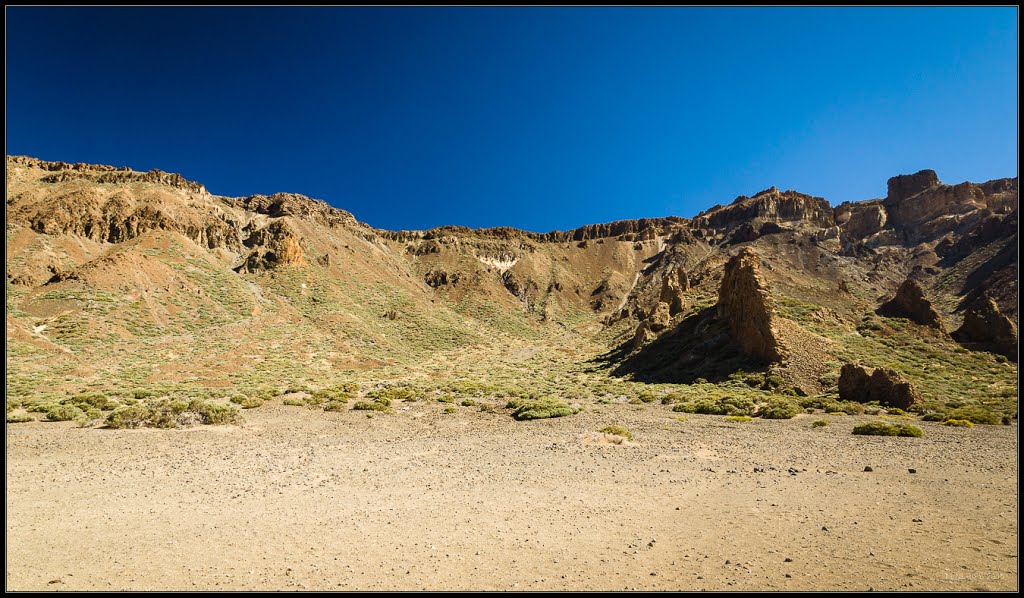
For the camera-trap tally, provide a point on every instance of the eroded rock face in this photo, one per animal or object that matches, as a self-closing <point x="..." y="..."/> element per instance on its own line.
<point x="440" y="278"/>
<point x="672" y="288"/>
<point x="883" y="385"/>
<point x="770" y="205"/>
<point x="861" y="221"/>
<point x="745" y="303"/>
<point x="273" y="246"/>
<point x="911" y="303"/>
<point x="908" y="185"/>
<point x="987" y="327"/>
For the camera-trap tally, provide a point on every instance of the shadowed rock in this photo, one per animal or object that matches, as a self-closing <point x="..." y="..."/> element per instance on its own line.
<point x="910" y="303"/>
<point x="745" y="304"/>
<point x="884" y="385"/>
<point x="986" y="327"/>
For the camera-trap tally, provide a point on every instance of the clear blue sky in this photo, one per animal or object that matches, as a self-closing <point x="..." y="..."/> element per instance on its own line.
<point x="540" y="118"/>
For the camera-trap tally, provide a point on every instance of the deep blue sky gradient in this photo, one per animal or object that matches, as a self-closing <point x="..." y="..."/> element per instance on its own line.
<point x="539" y="118"/>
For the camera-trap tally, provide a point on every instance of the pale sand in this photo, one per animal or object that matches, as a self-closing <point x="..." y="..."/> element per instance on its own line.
<point x="419" y="500"/>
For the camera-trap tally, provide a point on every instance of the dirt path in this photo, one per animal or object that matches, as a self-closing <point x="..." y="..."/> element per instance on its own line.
<point x="419" y="500"/>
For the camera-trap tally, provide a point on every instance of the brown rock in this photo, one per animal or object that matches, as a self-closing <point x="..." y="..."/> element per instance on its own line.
<point x="908" y="185"/>
<point x="910" y="303"/>
<point x="884" y="385"/>
<point x="672" y="288"/>
<point x="987" y="327"/>
<point x="744" y="302"/>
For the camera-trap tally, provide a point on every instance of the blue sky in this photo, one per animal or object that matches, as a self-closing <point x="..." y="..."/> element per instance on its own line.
<point x="539" y="118"/>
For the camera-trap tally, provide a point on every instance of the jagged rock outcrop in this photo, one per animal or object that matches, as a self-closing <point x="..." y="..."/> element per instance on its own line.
<point x="860" y="220"/>
<point x="911" y="303"/>
<point x="988" y="328"/>
<point x="745" y="304"/>
<point x="907" y="185"/>
<point x="440" y="278"/>
<point x="672" y="288"/>
<point x="293" y="204"/>
<point x="884" y="385"/>
<point x="275" y="245"/>
<point x="770" y="205"/>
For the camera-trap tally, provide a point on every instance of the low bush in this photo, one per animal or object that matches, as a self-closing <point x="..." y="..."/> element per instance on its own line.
<point x="20" y="419"/>
<point x="739" y="418"/>
<point x="886" y="429"/>
<point x="975" y="414"/>
<point x="960" y="423"/>
<point x="779" y="409"/>
<point x="821" y="423"/>
<point x="541" y="408"/>
<point x="617" y="431"/>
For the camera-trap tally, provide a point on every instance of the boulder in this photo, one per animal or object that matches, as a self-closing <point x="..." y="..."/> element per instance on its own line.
<point x="745" y="304"/>
<point x="986" y="327"/>
<point x="883" y="385"/>
<point x="909" y="302"/>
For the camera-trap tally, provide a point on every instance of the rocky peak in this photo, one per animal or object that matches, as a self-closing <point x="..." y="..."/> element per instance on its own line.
<point x="292" y="204"/>
<point x="770" y="205"/>
<point x="911" y="303"/>
<point x="745" y="304"/>
<point x="907" y="185"/>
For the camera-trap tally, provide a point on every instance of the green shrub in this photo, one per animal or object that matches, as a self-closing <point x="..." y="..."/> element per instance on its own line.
<point x="380" y="404"/>
<point x="739" y="418"/>
<point x="886" y="429"/>
<point x="727" y="405"/>
<point x="20" y="419"/>
<point x="294" y="402"/>
<point x="671" y="398"/>
<point x="63" y="413"/>
<point x="246" y="402"/>
<point x="934" y="416"/>
<point x="821" y="423"/>
<point x="617" y="431"/>
<point x="93" y="399"/>
<point x="895" y="411"/>
<point x="129" y="416"/>
<point x="468" y="402"/>
<point x="214" y="414"/>
<point x="779" y="409"/>
<point x="449" y="410"/>
<point x="646" y="396"/>
<point x="446" y="399"/>
<point x="975" y="414"/>
<point x="961" y="423"/>
<point x="542" y="408"/>
<point x="396" y="393"/>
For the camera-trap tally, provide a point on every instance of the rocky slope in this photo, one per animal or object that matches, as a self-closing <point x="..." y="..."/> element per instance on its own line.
<point x="113" y="270"/>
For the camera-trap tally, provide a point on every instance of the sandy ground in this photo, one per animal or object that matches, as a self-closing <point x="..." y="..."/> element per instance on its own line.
<point x="299" y="499"/>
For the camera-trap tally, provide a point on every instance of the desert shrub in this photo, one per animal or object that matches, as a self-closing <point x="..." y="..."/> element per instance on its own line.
<point x="468" y="403"/>
<point x="961" y="423"/>
<point x="338" y="392"/>
<point x="246" y="402"/>
<point x="830" y="379"/>
<point x="852" y="408"/>
<point x="821" y="423"/>
<point x="886" y="429"/>
<point x="772" y="381"/>
<point x="646" y="396"/>
<point x="20" y="419"/>
<point x="779" y="409"/>
<point x="486" y="407"/>
<point x="617" y="431"/>
<point x="975" y="414"/>
<point x="396" y="393"/>
<point x="128" y="416"/>
<point x="93" y="399"/>
<point x="934" y="416"/>
<point x="671" y="398"/>
<point x="214" y="414"/>
<point x="895" y="411"/>
<point x="739" y="418"/>
<point x="446" y="399"/>
<point x="63" y="413"/>
<point x="449" y="410"/>
<point x="727" y="405"/>
<point x="541" y="408"/>
<point x="335" y="405"/>
<point x="295" y="402"/>
<point x="380" y="403"/>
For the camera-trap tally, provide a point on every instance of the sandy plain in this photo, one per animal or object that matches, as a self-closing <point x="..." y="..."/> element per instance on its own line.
<point x="301" y="499"/>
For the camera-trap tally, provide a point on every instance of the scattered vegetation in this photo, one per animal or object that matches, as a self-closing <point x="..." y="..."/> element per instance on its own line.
<point x="975" y="414"/>
<point x="821" y="423"/>
<point x="20" y="419"/>
<point x="779" y="409"/>
<point x="617" y="431"/>
<point x="960" y="423"/>
<point x="540" y="408"/>
<point x="170" y="413"/>
<point x="886" y="429"/>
